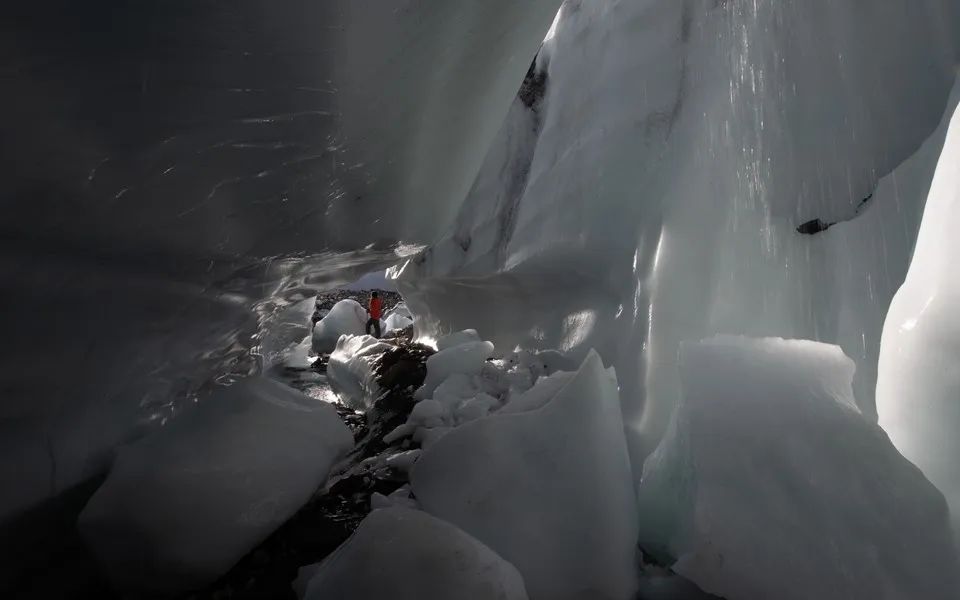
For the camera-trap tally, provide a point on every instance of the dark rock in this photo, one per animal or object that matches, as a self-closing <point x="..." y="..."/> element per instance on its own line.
<point x="818" y="225"/>
<point x="534" y="87"/>
<point x="813" y="227"/>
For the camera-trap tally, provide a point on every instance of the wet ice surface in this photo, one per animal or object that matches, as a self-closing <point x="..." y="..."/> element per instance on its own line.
<point x="310" y="381"/>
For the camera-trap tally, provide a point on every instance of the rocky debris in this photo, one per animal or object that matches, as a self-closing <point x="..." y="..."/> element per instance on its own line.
<point x="326" y="300"/>
<point x="818" y="225"/>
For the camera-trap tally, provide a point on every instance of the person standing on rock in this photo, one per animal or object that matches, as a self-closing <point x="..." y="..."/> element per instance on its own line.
<point x="374" y="309"/>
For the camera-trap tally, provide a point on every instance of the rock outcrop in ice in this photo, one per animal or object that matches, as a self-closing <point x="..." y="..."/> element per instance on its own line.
<point x="182" y="505"/>
<point x="918" y="391"/>
<point x="406" y="554"/>
<point x="771" y="484"/>
<point x="550" y="490"/>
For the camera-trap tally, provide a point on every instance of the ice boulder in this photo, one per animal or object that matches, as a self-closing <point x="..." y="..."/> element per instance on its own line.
<point x="396" y="322"/>
<point x="457" y="338"/>
<point x="467" y="359"/>
<point x="182" y="505"/>
<point x="297" y="356"/>
<point x="404" y="554"/>
<point x="347" y="317"/>
<point x="771" y="484"/>
<point x="350" y="370"/>
<point x="550" y="490"/>
<point x="400" y="310"/>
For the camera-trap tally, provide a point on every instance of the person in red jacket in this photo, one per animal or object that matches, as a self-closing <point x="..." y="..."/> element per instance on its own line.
<point x="374" y="309"/>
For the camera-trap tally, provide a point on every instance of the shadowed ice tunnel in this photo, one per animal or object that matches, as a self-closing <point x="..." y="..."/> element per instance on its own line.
<point x="175" y="173"/>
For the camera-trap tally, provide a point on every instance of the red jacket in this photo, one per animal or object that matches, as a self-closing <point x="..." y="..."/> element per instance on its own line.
<point x="376" y="306"/>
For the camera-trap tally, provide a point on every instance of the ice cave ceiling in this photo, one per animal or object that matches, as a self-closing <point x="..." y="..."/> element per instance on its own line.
<point x="176" y="173"/>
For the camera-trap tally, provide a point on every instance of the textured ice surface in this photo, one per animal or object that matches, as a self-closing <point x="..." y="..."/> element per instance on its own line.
<point x="918" y="391"/>
<point x="283" y="331"/>
<point x="372" y="281"/>
<point x="669" y="210"/>
<point x="465" y="359"/>
<point x="771" y="484"/>
<point x="404" y="554"/>
<point x="182" y="505"/>
<point x="472" y="387"/>
<point x="347" y="317"/>
<point x="549" y="490"/>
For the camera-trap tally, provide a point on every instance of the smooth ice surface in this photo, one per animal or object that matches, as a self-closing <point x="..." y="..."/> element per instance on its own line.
<point x="549" y="490"/>
<point x="350" y="370"/>
<point x="347" y="317"/>
<point x="771" y="484"/>
<point x="918" y="391"/>
<point x="182" y="505"/>
<point x="404" y="554"/>
<point x="871" y="254"/>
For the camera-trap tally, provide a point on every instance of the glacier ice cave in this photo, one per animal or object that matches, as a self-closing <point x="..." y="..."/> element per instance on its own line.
<point x="669" y="301"/>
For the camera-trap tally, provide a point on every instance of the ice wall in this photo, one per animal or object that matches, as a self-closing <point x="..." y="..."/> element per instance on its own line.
<point x="918" y="389"/>
<point x="679" y="147"/>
